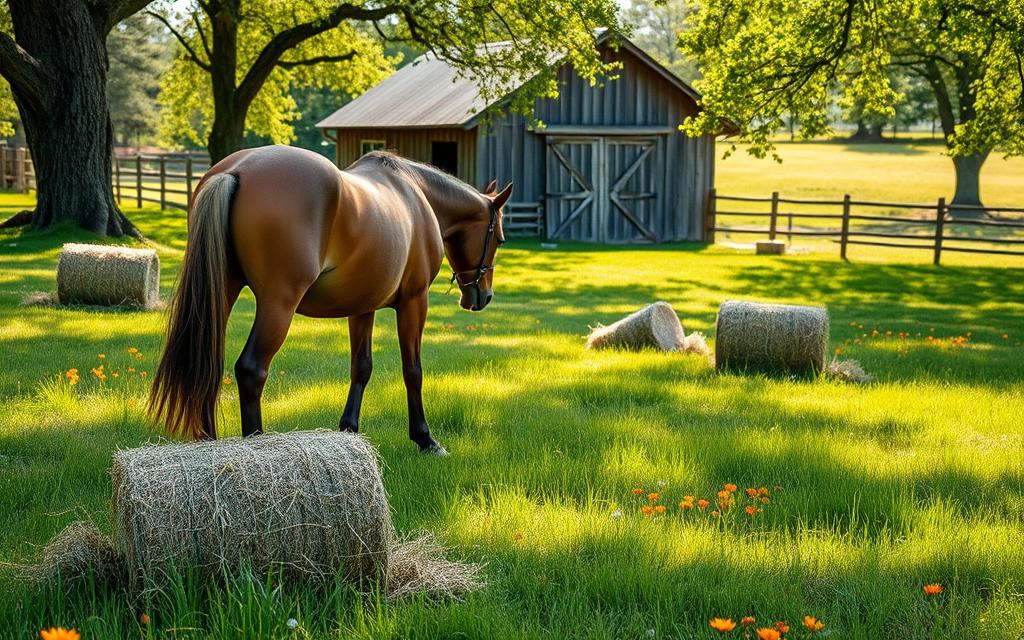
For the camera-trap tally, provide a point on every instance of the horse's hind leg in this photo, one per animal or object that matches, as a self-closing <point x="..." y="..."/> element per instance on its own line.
<point x="267" y="335"/>
<point x="360" y="329"/>
<point x="411" y="316"/>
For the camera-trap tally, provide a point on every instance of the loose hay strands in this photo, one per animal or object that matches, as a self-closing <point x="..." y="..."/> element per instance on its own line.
<point x="419" y="565"/>
<point x="655" y="326"/>
<point x="771" y="337"/>
<point x="39" y="299"/>
<point x="848" y="371"/>
<point x="79" y="551"/>
<point x="310" y="504"/>
<point x="108" y="276"/>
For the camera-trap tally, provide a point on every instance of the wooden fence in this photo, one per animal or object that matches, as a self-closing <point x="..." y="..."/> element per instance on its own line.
<point x="166" y="179"/>
<point x="942" y="226"/>
<point x="16" y="169"/>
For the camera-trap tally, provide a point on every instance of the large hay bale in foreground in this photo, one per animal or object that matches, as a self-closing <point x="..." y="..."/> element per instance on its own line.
<point x="308" y="503"/>
<point x="655" y="326"/>
<point x="108" y="276"/>
<point x="771" y="337"/>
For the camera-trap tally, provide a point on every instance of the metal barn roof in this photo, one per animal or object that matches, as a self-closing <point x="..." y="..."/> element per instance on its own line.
<point x="429" y="92"/>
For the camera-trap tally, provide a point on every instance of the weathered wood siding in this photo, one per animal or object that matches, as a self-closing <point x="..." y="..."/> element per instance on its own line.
<point x="640" y="97"/>
<point x="411" y="143"/>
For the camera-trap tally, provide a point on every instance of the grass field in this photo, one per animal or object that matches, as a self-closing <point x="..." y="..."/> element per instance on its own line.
<point x="915" y="479"/>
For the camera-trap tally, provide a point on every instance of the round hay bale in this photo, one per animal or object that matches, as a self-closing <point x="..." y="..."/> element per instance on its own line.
<point x="655" y="326"/>
<point x="108" y="276"/>
<point x="776" y="338"/>
<point x="309" y="503"/>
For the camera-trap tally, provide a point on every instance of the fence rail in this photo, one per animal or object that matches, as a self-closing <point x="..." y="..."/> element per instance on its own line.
<point x="935" y="224"/>
<point x="16" y="169"/>
<point x="166" y="179"/>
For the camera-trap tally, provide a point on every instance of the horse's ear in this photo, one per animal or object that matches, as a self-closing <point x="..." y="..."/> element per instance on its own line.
<point x="491" y="187"/>
<point x="501" y="198"/>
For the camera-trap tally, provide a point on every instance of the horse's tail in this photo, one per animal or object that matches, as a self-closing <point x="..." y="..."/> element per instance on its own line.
<point x="187" y="381"/>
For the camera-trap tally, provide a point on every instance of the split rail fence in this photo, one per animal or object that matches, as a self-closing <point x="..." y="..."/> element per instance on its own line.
<point x="942" y="227"/>
<point x="166" y="179"/>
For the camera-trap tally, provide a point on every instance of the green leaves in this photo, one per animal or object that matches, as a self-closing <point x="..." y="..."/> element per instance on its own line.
<point x="765" y="59"/>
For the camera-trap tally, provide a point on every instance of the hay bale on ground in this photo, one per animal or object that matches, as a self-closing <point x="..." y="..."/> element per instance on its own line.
<point x="771" y="337"/>
<point x="308" y="503"/>
<point x="655" y="326"/>
<point x="108" y="276"/>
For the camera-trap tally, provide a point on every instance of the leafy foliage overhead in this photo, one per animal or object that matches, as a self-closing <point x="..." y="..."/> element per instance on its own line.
<point x="763" y="59"/>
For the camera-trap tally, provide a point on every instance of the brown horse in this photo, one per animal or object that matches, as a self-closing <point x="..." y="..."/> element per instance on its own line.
<point x="310" y="239"/>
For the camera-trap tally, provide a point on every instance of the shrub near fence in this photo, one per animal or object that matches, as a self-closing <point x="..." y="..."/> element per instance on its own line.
<point x="855" y="227"/>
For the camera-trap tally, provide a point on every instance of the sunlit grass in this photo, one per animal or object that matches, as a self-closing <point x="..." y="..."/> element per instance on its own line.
<point x="915" y="479"/>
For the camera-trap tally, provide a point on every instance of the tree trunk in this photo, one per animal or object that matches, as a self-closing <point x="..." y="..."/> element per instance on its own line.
<point x="968" y="175"/>
<point x="226" y="135"/>
<point x="66" y="117"/>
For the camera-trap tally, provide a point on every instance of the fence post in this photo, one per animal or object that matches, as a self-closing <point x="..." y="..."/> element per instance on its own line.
<point x="940" y="222"/>
<point x="775" y="215"/>
<point x="19" y="169"/>
<point x="844" y="236"/>
<point x="138" y="180"/>
<point x="3" y="166"/>
<point x="163" y="182"/>
<point x="188" y="180"/>
<point x="117" y="179"/>
<point x="709" y="217"/>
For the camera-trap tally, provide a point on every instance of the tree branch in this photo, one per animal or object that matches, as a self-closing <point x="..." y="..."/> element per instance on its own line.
<point x="291" y="64"/>
<point x="290" y="38"/>
<point x="202" y="36"/>
<point x="184" y="42"/>
<point x="27" y="78"/>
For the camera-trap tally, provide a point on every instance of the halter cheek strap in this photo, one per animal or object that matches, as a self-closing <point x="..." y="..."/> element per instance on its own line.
<point x="482" y="268"/>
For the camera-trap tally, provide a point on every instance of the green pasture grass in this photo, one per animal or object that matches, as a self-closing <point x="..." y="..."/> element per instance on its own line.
<point x="917" y="478"/>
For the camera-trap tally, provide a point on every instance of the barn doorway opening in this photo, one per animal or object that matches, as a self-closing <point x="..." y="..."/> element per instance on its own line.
<point x="445" y="156"/>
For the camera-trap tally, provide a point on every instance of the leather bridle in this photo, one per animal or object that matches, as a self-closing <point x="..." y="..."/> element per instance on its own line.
<point x="482" y="268"/>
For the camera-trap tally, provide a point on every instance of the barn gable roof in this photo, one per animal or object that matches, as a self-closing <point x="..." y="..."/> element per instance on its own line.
<point x="430" y="93"/>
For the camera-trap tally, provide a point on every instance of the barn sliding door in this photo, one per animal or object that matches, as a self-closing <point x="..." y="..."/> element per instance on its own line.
<point x="602" y="189"/>
<point x="572" y="189"/>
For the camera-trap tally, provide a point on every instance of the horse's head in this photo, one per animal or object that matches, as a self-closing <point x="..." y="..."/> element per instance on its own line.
<point x="472" y="247"/>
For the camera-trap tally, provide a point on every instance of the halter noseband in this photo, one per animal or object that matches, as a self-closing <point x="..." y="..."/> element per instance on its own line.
<point x="481" y="270"/>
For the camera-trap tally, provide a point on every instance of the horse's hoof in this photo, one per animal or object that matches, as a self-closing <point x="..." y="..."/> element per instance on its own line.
<point x="434" y="449"/>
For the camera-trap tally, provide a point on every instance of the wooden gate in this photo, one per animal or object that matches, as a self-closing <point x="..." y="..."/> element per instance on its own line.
<point x="602" y="189"/>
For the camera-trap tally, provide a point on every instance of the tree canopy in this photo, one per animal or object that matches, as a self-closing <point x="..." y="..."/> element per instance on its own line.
<point x="763" y="59"/>
<point x="240" y="58"/>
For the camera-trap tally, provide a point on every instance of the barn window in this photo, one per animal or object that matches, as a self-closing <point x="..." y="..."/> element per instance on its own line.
<point x="366" y="146"/>
<point x="445" y="156"/>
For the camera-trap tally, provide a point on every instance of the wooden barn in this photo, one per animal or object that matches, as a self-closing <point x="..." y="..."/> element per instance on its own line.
<point x="608" y="165"/>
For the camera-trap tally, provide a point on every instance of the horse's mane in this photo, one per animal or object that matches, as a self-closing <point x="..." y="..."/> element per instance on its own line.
<point x="439" y="181"/>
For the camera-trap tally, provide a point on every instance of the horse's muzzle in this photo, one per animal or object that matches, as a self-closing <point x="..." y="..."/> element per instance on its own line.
<point x="475" y="299"/>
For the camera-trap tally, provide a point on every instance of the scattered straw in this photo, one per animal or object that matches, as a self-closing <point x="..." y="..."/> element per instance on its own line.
<point x="695" y="343"/>
<point x="39" y="299"/>
<point x="419" y="565"/>
<point x="80" y="550"/>
<point x="771" y="337"/>
<point x="655" y="326"/>
<point x="108" y="276"/>
<point x="848" y="371"/>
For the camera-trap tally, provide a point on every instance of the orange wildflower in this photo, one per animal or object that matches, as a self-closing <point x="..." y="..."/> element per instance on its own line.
<point x="144" y="618"/>
<point x="730" y="487"/>
<point x="782" y="626"/>
<point x="653" y="497"/>
<point x="722" y="625"/>
<point x="763" y="491"/>
<point x="647" y="510"/>
<point x="751" y="491"/>
<point x="747" y="621"/>
<point x="751" y="511"/>
<point x="226" y="380"/>
<point x="932" y="589"/>
<point x="132" y="350"/>
<point x="1006" y="336"/>
<point x="72" y="376"/>
<point x="659" y="508"/>
<point x="813" y="624"/>
<point x="102" y="356"/>
<point x="638" y="492"/>
<point x="685" y="505"/>
<point x="768" y="633"/>
<point x="702" y="504"/>
<point x="59" y="633"/>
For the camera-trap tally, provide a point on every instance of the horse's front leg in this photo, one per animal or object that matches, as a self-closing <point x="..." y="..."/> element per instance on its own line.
<point x="360" y="330"/>
<point x="412" y="314"/>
